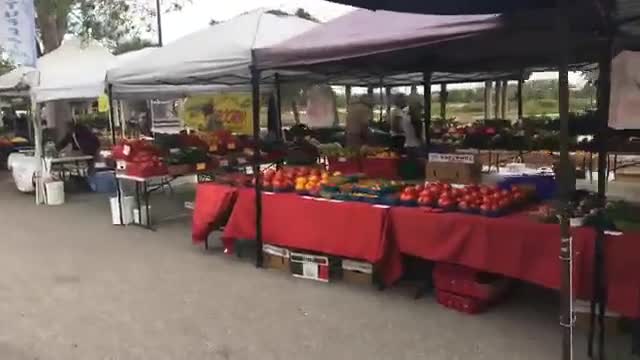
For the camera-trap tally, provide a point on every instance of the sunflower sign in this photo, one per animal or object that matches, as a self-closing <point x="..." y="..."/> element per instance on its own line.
<point x="230" y="111"/>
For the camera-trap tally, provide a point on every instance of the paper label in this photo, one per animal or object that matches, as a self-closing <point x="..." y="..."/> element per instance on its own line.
<point x="242" y="161"/>
<point x="126" y="150"/>
<point x="213" y="148"/>
<point x="224" y="163"/>
<point x="452" y="158"/>
<point x="231" y="146"/>
<point x="201" y="166"/>
<point x="342" y="159"/>
<point x="310" y="270"/>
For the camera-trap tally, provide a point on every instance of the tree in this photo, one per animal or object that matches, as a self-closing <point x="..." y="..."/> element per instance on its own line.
<point x="133" y="44"/>
<point x="303" y="14"/>
<point x="108" y="21"/>
<point x="213" y="22"/>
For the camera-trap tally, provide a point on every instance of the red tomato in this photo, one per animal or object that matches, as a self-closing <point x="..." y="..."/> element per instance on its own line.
<point x="485" y="190"/>
<point x="425" y="200"/>
<point x="406" y="197"/>
<point x="419" y="188"/>
<point x="424" y="193"/>
<point x="463" y="205"/>
<point x="485" y="208"/>
<point x="269" y="174"/>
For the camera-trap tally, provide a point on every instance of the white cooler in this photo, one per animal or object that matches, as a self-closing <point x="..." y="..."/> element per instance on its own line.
<point x="128" y="203"/>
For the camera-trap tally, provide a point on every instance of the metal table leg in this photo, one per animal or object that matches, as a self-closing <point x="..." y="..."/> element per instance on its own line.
<point x="146" y="204"/>
<point x="635" y="337"/>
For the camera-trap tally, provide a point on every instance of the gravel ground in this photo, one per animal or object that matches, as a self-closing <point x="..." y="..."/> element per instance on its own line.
<point x="72" y="286"/>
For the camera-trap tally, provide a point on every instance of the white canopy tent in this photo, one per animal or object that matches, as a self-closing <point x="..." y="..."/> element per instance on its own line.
<point x="17" y="82"/>
<point x="75" y="70"/>
<point x="214" y="59"/>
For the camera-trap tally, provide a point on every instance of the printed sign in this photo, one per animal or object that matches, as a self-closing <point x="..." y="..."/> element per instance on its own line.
<point x="452" y="158"/>
<point x="18" y="31"/>
<point x="230" y="111"/>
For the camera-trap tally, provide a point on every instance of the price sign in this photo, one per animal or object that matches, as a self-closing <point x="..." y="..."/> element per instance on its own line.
<point x="201" y="166"/>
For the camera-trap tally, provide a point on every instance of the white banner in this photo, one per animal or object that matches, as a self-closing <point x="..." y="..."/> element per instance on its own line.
<point x="18" y="31"/>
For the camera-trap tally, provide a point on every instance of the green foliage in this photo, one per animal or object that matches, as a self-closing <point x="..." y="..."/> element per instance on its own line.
<point x="108" y="21"/>
<point x="132" y="44"/>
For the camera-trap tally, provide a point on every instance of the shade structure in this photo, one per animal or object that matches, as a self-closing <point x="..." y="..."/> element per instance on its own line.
<point x="76" y="70"/>
<point x="376" y="42"/>
<point x="218" y="55"/>
<point x="17" y="82"/>
<point x="450" y="7"/>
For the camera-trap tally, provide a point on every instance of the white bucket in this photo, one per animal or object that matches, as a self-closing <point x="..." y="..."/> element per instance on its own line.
<point x="138" y="219"/>
<point x="128" y="203"/>
<point x="54" y="192"/>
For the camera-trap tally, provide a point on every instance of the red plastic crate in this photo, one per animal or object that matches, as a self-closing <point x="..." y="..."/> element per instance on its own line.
<point x="467" y="282"/>
<point x="465" y="304"/>
<point x="345" y="165"/>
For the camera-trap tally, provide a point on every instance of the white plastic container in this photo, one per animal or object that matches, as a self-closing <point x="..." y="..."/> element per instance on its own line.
<point x="54" y="192"/>
<point x="128" y="203"/>
<point x="136" y="216"/>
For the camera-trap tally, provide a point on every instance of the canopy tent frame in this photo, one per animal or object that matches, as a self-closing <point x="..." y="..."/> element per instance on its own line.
<point x="563" y="62"/>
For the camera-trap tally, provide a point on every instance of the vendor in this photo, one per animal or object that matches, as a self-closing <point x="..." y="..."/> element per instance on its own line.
<point x="403" y="132"/>
<point x="81" y="139"/>
<point x="359" y="113"/>
<point x="211" y="118"/>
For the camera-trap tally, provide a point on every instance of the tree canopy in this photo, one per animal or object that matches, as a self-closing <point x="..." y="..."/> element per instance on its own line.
<point x="108" y="21"/>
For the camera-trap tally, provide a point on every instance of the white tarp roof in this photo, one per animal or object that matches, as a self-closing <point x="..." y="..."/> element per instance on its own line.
<point x="75" y="70"/>
<point x="17" y="81"/>
<point x="220" y="54"/>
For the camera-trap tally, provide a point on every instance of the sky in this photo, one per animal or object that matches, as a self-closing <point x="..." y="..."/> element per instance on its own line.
<point x="197" y="15"/>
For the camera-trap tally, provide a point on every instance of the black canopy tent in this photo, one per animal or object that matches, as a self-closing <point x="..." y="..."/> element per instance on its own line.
<point x="555" y="36"/>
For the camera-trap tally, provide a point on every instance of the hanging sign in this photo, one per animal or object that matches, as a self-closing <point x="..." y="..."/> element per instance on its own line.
<point x="18" y="31"/>
<point x="103" y="103"/>
<point x="229" y="111"/>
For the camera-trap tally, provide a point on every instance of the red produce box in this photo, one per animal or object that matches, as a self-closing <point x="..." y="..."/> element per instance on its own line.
<point x="465" y="304"/>
<point x="345" y="165"/>
<point x="467" y="282"/>
<point x="146" y="169"/>
<point x="381" y="168"/>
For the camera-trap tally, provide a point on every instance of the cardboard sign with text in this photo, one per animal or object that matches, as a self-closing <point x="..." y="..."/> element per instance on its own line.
<point x="453" y="168"/>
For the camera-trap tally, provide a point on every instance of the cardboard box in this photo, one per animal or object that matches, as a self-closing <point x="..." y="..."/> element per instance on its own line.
<point x="313" y="267"/>
<point x="454" y="168"/>
<point x="275" y="257"/>
<point x="358" y="272"/>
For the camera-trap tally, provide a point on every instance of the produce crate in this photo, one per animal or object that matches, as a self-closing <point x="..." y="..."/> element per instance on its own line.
<point x="381" y="168"/>
<point x="180" y="169"/>
<point x="313" y="267"/>
<point x="358" y="272"/>
<point x="345" y="165"/>
<point x="276" y="258"/>
<point x="467" y="282"/>
<point x="465" y="304"/>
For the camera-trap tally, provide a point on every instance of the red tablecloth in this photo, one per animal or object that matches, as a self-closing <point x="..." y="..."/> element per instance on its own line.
<point x="622" y="272"/>
<point x="213" y="201"/>
<point x="517" y="247"/>
<point x="345" y="229"/>
<point x="514" y="246"/>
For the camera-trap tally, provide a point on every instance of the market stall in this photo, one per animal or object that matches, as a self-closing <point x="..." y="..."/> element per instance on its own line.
<point x="501" y="46"/>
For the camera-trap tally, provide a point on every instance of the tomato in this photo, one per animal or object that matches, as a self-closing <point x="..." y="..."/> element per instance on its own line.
<point x="425" y="200"/>
<point x="463" y="205"/>
<point x="424" y="193"/>
<point x="411" y="191"/>
<point x="419" y="188"/>
<point x="445" y="202"/>
<point x="406" y="197"/>
<point x="485" y="208"/>
<point x="277" y="185"/>
<point x="485" y="190"/>
<point x="505" y="192"/>
<point x="269" y="174"/>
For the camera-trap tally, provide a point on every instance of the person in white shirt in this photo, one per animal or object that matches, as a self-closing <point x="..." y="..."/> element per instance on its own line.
<point x="403" y="132"/>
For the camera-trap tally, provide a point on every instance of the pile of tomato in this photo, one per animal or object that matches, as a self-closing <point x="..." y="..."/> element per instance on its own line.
<point x="487" y="200"/>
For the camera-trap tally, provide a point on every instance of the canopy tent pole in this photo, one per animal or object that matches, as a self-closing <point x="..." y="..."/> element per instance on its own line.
<point x="503" y="100"/>
<point x="381" y="117"/>
<point x="37" y="142"/>
<point x="426" y="82"/>
<point x="278" y="106"/>
<point x="520" y="104"/>
<point x="387" y="91"/>
<point x="444" y="95"/>
<point x="496" y="105"/>
<point x="566" y="251"/>
<point x="112" y="121"/>
<point x="487" y="99"/>
<point x="347" y="94"/>
<point x="599" y="297"/>
<point x="257" y="176"/>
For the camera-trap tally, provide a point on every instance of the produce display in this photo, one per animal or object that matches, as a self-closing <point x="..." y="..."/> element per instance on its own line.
<point x="473" y="199"/>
